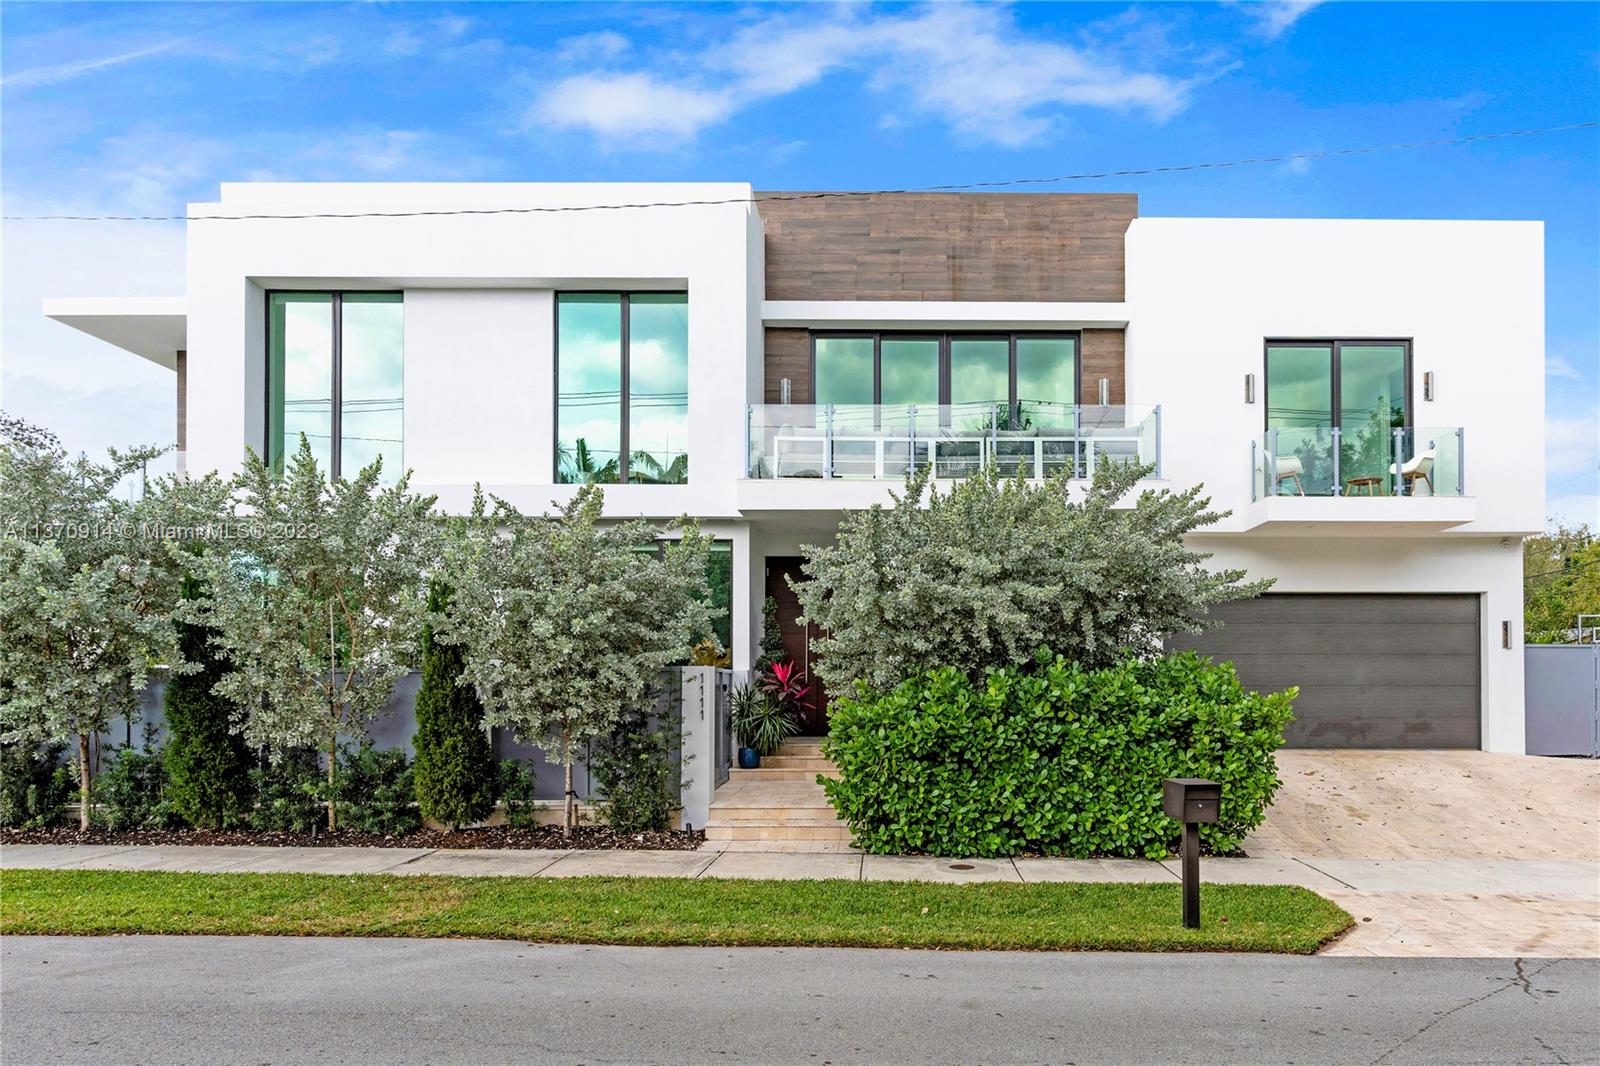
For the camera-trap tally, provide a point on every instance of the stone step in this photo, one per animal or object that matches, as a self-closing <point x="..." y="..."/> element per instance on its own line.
<point x="815" y="763"/>
<point x="780" y="773"/>
<point x="754" y="832"/>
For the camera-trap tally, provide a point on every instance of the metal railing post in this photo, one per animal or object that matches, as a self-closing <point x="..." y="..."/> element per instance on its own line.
<point x="1399" y="463"/>
<point x="827" y="441"/>
<point x="911" y="438"/>
<point x="749" y="417"/>
<point x="994" y="434"/>
<point x="1156" y="414"/>
<point x="1272" y="464"/>
<point x="1461" y="460"/>
<point x="1338" y="461"/>
<point x="1253" y="483"/>
<point x="1077" y="439"/>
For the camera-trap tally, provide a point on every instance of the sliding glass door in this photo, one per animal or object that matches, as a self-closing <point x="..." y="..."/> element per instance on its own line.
<point x="1355" y="387"/>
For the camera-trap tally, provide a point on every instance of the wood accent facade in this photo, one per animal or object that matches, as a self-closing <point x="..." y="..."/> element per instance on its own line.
<point x="1063" y="247"/>
<point x="1104" y="355"/>
<point x="788" y="356"/>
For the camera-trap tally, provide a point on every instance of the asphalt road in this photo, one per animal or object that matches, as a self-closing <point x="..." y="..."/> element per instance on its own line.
<point x="283" y="1000"/>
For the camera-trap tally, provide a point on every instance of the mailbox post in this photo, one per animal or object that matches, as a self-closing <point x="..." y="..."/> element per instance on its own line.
<point x="1191" y="800"/>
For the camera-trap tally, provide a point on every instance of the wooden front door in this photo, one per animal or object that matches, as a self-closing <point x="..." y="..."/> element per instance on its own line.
<point x="797" y="639"/>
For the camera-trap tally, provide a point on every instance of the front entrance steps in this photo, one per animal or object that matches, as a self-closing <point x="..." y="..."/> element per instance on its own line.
<point x="779" y="805"/>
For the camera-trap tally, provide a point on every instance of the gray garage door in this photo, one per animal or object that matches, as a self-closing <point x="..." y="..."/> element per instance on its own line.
<point x="1373" y="671"/>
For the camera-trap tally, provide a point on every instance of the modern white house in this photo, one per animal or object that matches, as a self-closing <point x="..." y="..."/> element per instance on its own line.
<point x="1364" y="396"/>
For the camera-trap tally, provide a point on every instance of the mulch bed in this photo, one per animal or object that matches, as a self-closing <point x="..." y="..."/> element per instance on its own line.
<point x="584" y="838"/>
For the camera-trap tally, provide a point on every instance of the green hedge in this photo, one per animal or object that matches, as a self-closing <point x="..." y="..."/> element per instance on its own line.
<point x="1052" y="759"/>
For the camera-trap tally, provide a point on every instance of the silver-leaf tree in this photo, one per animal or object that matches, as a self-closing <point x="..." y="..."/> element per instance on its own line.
<point x="84" y="596"/>
<point x="319" y="607"/>
<point x="565" y="619"/>
<point x="995" y="568"/>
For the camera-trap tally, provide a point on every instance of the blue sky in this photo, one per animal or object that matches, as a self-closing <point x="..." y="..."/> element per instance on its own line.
<point x="142" y="107"/>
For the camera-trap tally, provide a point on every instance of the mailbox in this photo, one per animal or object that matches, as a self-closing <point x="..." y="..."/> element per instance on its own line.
<point x="1191" y="799"/>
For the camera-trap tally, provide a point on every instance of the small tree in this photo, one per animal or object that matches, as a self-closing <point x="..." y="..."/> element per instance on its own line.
<point x="986" y="574"/>
<point x="320" y="613"/>
<point x="83" y="602"/>
<point x="456" y="775"/>
<point x="208" y="763"/>
<point x="1561" y="575"/>
<point x="771" y="636"/>
<point x="565" y="620"/>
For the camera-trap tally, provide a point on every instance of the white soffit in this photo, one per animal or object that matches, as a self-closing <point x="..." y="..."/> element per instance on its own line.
<point x="154" y="327"/>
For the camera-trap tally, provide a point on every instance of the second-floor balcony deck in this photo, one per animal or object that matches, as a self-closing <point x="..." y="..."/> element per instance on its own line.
<point x="885" y="442"/>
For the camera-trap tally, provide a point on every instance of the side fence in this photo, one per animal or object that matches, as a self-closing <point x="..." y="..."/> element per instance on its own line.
<point x="1562" y="700"/>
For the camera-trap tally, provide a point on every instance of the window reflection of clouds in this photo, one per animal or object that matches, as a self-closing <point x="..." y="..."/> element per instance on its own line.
<point x="980" y="371"/>
<point x="372" y="395"/>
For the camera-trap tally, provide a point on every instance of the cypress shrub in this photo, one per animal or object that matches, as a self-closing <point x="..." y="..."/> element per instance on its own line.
<point x="457" y="778"/>
<point x="207" y="763"/>
<point x="1053" y="759"/>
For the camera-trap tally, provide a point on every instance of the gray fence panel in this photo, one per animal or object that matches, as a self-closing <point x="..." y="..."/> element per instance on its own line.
<point x="1562" y="699"/>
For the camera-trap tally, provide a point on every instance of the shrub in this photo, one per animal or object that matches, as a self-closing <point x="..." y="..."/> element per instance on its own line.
<point x="207" y="763"/>
<point x="35" y="786"/>
<point x="456" y="777"/>
<point x="518" y="792"/>
<point x="289" y="793"/>
<point x="632" y="768"/>
<point x="771" y="635"/>
<point x="1053" y="759"/>
<point x="996" y="567"/>
<point x="376" y="792"/>
<point x="130" y="792"/>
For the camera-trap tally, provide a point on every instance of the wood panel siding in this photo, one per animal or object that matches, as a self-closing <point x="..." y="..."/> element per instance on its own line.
<point x="947" y="246"/>
<point x="1105" y="355"/>
<point x="788" y="356"/>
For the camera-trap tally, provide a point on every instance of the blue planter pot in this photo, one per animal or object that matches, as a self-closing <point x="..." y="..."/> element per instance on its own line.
<point x="749" y="759"/>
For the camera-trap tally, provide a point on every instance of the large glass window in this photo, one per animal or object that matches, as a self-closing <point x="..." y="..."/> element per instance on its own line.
<point x="622" y="388"/>
<point x="1356" y="387"/>
<point x="899" y="369"/>
<point x="336" y="369"/>
<point x="844" y="370"/>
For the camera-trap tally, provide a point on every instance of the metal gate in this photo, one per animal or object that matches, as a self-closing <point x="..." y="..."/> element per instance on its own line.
<point x="1562" y="686"/>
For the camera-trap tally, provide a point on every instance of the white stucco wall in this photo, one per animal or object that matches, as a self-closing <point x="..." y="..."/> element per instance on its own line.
<point x="1203" y="294"/>
<point x="437" y="261"/>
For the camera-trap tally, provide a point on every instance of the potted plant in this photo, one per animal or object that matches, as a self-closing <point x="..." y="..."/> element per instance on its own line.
<point x="759" y="724"/>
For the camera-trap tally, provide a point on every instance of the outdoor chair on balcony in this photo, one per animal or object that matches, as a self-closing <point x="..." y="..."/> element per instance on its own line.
<point x="1290" y="468"/>
<point x="1417" y="468"/>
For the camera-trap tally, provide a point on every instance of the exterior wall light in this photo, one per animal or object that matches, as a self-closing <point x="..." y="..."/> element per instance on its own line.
<point x="1249" y="388"/>
<point x="1105" y="392"/>
<point x="1427" y="385"/>
<point x="784" y="391"/>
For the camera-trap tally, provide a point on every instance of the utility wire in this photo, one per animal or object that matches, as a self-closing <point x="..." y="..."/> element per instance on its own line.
<point x="759" y="198"/>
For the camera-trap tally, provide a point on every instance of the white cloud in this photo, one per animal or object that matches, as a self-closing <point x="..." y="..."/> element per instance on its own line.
<point x="1571" y="444"/>
<point x="967" y="66"/>
<point x="1273" y="18"/>
<point x="55" y="73"/>
<point x="1556" y="366"/>
<point x="589" y="47"/>
<point x="617" y="106"/>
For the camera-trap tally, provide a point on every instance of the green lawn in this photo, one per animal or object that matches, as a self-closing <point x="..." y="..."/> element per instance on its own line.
<point x="615" y="910"/>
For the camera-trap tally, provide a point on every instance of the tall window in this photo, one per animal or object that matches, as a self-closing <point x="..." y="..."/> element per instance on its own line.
<point x="622" y="387"/>
<point x="1357" y="387"/>
<point x="1023" y="370"/>
<point x="336" y="373"/>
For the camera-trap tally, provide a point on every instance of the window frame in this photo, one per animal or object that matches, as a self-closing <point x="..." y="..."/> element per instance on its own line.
<point x="1335" y="346"/>
<point x="336" y="393"/>
<point x="625" y="384"/>
<point x="944" y="337"/>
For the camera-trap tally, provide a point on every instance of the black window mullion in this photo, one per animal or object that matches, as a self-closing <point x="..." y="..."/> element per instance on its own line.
<point x="336" y="419"/>
<point x="622" y="436"/>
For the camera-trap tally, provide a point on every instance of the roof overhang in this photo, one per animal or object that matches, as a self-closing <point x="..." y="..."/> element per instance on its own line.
<point x="154" y="327"/>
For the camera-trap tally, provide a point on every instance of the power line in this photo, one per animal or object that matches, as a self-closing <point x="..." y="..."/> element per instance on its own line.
<point x="756" y="199"/>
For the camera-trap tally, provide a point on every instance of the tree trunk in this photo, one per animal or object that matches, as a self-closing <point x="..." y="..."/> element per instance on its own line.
<point x="333" y="762"/>
<point x="83" y="781"/>
<point x="570" y="808"/>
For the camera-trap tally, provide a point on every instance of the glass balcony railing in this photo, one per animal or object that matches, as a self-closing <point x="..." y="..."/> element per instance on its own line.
<point x="1327" y="461"/>
<point x="872" y="442"/>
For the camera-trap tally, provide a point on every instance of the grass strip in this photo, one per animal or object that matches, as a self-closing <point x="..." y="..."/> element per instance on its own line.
<point x="669" y="911"/>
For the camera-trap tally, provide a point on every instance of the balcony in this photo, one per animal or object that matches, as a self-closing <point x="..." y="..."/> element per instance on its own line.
<point x="864" y="442"/>
<point x="1398" y="478"/>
